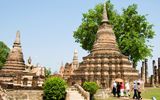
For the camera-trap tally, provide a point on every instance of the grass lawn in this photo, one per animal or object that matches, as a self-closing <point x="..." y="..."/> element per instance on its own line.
<point x="148" y="93"/>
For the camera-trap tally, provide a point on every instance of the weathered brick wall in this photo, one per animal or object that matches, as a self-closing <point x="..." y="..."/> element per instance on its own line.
<point x="25" y="94"/>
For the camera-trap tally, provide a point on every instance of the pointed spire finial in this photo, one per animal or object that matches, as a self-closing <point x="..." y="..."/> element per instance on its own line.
<point x="75" y="56"/>
<point x="17" y="41"/>
<point x="75" y="51"/>
<point x="104" y="16"/>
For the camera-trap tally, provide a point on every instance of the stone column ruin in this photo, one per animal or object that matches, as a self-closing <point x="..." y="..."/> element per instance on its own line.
<point x="152" y="81"/>
<point x="155" y="74"/>
<point x="146" y="70"/>
<point x="143" y="72"/>
<point x="154" y="71"/>
<point x="157" y="77"/>
<point x="159" y="70"/>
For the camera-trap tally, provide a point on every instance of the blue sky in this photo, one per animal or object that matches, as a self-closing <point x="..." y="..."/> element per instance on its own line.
<point x="47" y="26"/>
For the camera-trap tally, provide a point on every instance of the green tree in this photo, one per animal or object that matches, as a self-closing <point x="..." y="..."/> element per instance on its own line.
<point x="4" y="51"/>
<point x="54" y="88"/>
<point x="132" y="30"/>
<point x="91" y="87"/>
<point x="48" y="72"/>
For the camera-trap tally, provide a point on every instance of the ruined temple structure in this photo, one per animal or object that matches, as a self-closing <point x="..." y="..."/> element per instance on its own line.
<point x="16" y="74"/>
<point x="105" y="63"/>
<point x="154" y="80"/>
<point x="155" y="73"/>
<point x="66" y="71"/>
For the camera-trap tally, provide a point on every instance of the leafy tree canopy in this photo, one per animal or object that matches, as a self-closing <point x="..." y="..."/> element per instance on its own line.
<point x="4" y="51"/>
<point x="48" y="72"/>
<point x="55" y="88"/>
<point x="132" y="30"/>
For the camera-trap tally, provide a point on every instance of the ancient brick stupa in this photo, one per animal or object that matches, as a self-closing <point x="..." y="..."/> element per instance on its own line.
<point x="67" y="70"/>
<point x="105" y="63"/>
<point x="15" y="61"/>
<point x="15" y="73"/>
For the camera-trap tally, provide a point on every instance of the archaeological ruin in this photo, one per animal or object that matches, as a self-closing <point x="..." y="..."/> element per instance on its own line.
<point x="18" y="76"/>
<point x="105" y="63"/>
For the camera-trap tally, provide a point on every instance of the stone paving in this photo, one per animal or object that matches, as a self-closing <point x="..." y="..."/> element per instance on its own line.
<point x="73" y="94"/>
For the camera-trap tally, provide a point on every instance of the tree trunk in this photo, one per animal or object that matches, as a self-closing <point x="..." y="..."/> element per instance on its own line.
<point x="134" y="64"/>
<point x="91" y="97"/>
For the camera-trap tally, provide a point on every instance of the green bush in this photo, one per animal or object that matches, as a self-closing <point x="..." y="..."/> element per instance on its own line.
<point x="4" y="51"/>
<point x="54" y="88"/>
<point x="91" y="87"/>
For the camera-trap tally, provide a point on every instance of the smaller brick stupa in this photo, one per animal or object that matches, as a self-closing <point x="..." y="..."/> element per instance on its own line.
<point x="16" y="74"/>
<point x="15" y="61"/>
